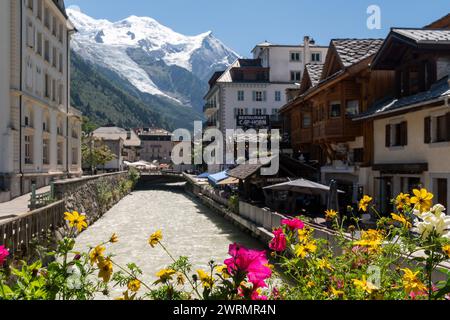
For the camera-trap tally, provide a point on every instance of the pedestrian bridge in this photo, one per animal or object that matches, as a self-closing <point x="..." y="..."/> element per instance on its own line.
<point x="162" y="177"/>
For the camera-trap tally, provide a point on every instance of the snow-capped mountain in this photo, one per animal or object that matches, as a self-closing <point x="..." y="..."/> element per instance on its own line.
<point x="153" y="58"/>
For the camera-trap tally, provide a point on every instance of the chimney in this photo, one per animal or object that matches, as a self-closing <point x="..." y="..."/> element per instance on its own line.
<point x="306" y="50"/>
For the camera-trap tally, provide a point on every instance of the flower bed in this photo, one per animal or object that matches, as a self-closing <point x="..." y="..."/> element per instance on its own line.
<point x="373" y="266"/>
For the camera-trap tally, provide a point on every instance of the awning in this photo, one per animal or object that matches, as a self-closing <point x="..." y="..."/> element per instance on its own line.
<point x="302" y="186"/>
<point x="228" y="181"/>
<point x="218" y="177"/>
<point x="203" y="176"/>
<point x="398" y="168"/>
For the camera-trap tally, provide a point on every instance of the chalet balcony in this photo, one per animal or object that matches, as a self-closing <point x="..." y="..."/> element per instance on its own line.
<point x="336" y="130"/>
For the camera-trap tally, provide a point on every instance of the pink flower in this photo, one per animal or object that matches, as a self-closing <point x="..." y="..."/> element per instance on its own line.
<point x="293" y="224"/>
<point x="256" y="296"/>
<point x="3" y="254"/>
<point x="278" y="243"/>
<point x="250" y="263"/>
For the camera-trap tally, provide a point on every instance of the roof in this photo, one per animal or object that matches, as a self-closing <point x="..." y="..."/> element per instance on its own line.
<point x="424" y="36"/>
<point x="115" y="133"/>
<point x="352" y="51"/>
<point x="244" y="171"/>
<point x="441" y="23"/>
<point x="439" y="90"/>
<point x="61" y="6"/>
<point x="314" y="72"/>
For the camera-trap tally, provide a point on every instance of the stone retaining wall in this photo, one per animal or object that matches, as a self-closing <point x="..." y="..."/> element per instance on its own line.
<point x="93" y="195"/>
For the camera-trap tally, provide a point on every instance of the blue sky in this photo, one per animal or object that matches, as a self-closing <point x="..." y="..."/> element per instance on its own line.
<point x="241" y="24"/>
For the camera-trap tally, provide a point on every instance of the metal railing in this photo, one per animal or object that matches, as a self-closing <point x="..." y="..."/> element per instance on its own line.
<point x="40" y="200"/>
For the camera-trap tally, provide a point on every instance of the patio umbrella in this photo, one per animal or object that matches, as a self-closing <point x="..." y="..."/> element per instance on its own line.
<point x="302" y="186"/>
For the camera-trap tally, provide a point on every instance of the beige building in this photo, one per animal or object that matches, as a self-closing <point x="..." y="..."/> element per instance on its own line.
<point x="411" y="130"/>
<point x="131" y="148"/>
<point x="156" y="145"/>
<point x="40" y="133"/>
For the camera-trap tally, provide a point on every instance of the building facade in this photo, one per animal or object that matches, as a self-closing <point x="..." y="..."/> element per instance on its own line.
<point x="157" y="145"/>
<point x="257" y="86"/>
<point x="411" y="129"/>
<point x="131" y="143"/>
<point x="40" y="133"/>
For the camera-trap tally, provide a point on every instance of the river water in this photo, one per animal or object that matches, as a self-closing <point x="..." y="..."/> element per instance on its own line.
<point x="189" y="229"/>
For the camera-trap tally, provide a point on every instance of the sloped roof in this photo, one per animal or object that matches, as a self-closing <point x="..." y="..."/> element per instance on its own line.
<point x="115" y="133"/>
<point x="352" y="51"/>
<point x="61" y="6"/>
<point x="314" y="72"/>
<point x="438" y="90"/>
<point x="424" y="36"/>
<point x="245" y="171"/>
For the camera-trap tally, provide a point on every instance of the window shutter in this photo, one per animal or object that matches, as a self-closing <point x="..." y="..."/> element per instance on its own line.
<point x="427" y="133"/>
<point x="388" y="136"/>
<point x="448" y="126"/>
<point x="264" y="95"/>
<point x="404" y="130"/>
<point x="254" y="95"/>
<point x="253" y="111"/>
<point x="246" y="111"/>
<point x="235" y="112"/>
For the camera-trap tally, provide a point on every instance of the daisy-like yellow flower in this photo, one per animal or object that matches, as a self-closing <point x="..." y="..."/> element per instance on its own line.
<point x="304" y="234"/>
<point x="402" y="219"/>
<point x="422" y="200"/>
<point x="76" y="220"/>
<point x="96" y="254"/>
<point x="155" y="238"/>
<point x="206" y="280"/>
<point x="365" y="285"/>
<point x="364" y="203"/>
<point x="114" y="239"/>
<point x="310" y="284"/>
<point x="412" y="283"/>
<point x="372" y="239"/>
<point x="446" y="250"/>
<point x="324" y="264"/>
<point x="134" y="285"/>
<point x="402" y="200"/>
<point x="223" y="271"/>
<point x="303" y="250"/>
<point x="105" y="269"/>
<point x="336" y="293"/>
<point x="165" y="275"/>
<point x="330" y="215"/>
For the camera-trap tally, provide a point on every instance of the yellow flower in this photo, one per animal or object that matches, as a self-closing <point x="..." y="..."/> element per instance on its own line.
<point x="402" y="219"/>
<point x="165" y="275"/>
<point x="365" y="285"/>
<point x="310" y="284"/>
<point x="206" y="279"/>
<point x="134" y="285"/>
<point x="105" y="269"/>
<point x="372" y="239"/>
<point x="330" y="215"/>
<point x="304" y="235"/>
<point x="180" y="279"/>
<point x="402" y="201"/>
<point x="96" y="254"/>
<point x="422" y="200"/>
<point x="364" y="203"/>
<point x="114" y="238"/>
<point x="126" y="297"/>
<point x="446" y="250"/>
<point x="155" y="238"/>
<point x="223" y="271"/>
<point x="412" y="283"/>
<point x="324" y="264"/>
<point x="76" y="220"/>
<point x="336" y="293"/>
<point x="303" y="250"/>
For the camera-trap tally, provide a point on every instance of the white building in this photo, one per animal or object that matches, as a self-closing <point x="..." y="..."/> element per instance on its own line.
<point x="39" y="131"/>
<point x="257" y="87"/>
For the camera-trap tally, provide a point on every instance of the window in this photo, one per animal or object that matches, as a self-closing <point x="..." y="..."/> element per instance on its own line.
<point x="259" y="112"/>
<point x="316" y="57"/>
<point x="39" y="9"/>
<point x="335" y="109"/>
<point x="295" y="56"/>
<point x="60" y="94"/>
<point x="441" y="129"/>
<point x="442" y="191"/>
<point x="352" y="108"/>
<point x="296" y="76"/>
<point x="61" y="36"/>
<point x="239" y="112"/>
<point x="74" y="156"/>
<point x="28" y="150"/>
<point x="47" y="84"/>
<point x="30" y="4"/>
<point x="397" y="135"/>
<point x="47" y="18"/>
<point x="54" y="90"/>
<point x="259" y="96"/>
<point x="60" y="153"/>
<point x="306" y="120"/>
<point x="241" y="95"/>
<point x="358" y="155"/>
<point x="55" y="57"/>
<point x="61" y="64"/>
<point x="30" y="34"/>
<point x="55" y="26"/>
<point x="47" y="50"/>
<point x="46" y="152"/>
<point x="277" y="95"/>
<point x="39" y="43"/>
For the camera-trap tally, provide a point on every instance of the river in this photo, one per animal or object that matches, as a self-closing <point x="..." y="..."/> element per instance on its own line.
<point x="189" y="229"/>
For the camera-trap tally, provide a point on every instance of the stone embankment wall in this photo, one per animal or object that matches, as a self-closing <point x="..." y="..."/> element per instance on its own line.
<point x="93" y="195"/>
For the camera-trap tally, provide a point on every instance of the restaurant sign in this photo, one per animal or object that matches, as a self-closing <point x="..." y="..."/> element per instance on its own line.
<point x="252" y="121"/>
